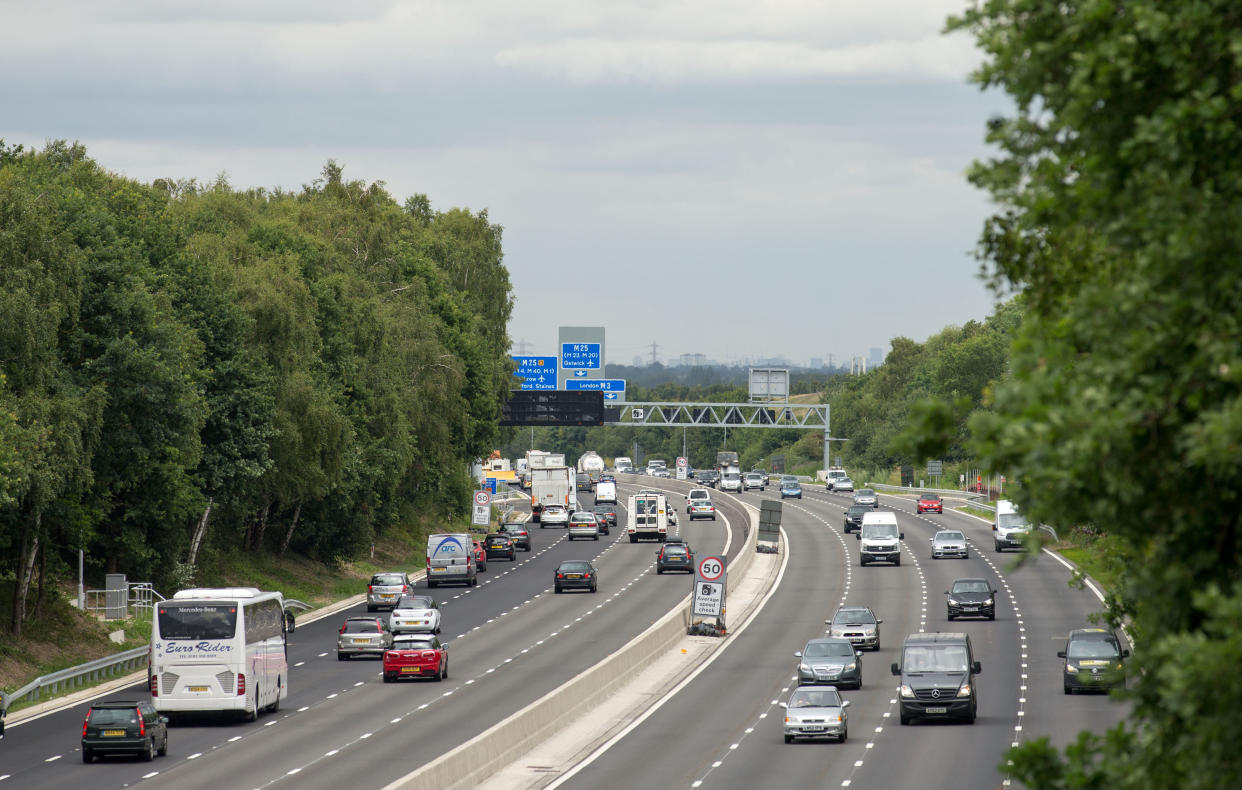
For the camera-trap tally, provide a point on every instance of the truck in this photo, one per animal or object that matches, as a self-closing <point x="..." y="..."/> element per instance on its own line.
<point x="726" y="461"/>
<point x="450" y="559"/>
<point x="552" y="485"/>
<point x="647" y="517"/>
<point x="1010" y="526"/>
<point x="590" y="463"/>
<point x="834" y="474"/>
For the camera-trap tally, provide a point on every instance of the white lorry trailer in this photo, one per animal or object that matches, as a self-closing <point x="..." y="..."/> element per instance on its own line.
<point x="552" y="485"/>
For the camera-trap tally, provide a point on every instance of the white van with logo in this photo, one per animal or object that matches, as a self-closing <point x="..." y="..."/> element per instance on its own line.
<point x="880" y="538"/>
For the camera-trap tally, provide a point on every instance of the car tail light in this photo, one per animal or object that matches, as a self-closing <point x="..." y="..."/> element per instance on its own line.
<point x="85" y="722"/>
<point x="241" y="684"/>
<point x="370" y="588"/>
<point x="155" y="685"/>
<point x="405" y="588"/>
<point x="560" y="575"/>
<point x="142" y="725"/>
<point x="586" y="575"/>
<point x="342" y="628"/>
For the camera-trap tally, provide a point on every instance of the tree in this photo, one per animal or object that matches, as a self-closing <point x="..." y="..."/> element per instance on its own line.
<point x="1120" y="219"/>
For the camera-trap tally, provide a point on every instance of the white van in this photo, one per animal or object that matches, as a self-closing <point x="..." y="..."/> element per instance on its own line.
<point x="606" y="493"/>
<point x="1011" y="527"/>
<point x="880" y="538"/>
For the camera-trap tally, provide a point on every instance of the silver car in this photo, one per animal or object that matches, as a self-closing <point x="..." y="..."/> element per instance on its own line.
<point x="866" y="496"/>
<point x="583" y="524"/>
<point x="858" y="624"/>
<point x="830" y="660"/>
<point x="949" y="543"/>
<point x="816" y="712"/>
<point x="363" y="636"/>
<point x="754" y="480"/>
<point x="386" y="589"/>
<point x="843" y="484"/>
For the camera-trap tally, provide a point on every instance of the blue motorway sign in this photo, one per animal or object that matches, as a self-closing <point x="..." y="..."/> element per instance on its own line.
<point x="580" y="355"/>
<point x="607" y="385"/>
<point x="536" y="373"/>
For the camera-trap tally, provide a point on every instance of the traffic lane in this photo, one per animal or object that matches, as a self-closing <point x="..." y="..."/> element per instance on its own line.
<point x="1055" y="608"/>
<point x="314" y="669"/>
<point x="928" y="753"/>
<point x="494" y="671"/>
<point x="739" y="517"/>
<point x="732" y="700"/>
<point x="898" y="595"/>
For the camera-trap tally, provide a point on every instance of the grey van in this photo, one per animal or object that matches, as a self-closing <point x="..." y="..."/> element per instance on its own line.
<point x="937" y="674"/>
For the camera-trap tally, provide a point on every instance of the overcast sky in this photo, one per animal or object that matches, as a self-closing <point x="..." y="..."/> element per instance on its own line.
<point x="734" y="178"/>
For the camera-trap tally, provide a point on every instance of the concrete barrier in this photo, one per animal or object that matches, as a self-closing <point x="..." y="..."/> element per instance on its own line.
<point x="498" y="746"/>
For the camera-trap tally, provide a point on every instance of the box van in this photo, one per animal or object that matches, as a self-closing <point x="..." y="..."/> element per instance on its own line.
<point x="937" y="674"/>
<point x="606" y="493"/>
<point x="880" y="539"/>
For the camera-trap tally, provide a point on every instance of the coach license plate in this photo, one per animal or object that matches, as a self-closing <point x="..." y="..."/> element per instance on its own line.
<point x="113" y="733"/>
<point x="199" y="688"/>
<point x="935" y="710"/>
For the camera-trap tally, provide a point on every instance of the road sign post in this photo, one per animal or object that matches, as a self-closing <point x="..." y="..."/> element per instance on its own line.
<point x="707" y="604"/>
<point x="482" y="515"/>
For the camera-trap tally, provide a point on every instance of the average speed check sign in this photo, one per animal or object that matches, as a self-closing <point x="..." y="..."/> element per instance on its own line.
<point x="708" y="599"/>
<point x="482" y="515"/>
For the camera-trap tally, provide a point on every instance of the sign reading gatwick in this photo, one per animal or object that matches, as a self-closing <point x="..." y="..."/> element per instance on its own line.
<point x="579" y="355"/>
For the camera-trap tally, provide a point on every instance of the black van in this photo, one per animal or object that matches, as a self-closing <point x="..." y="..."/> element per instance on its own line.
<point x="937" y="674"/>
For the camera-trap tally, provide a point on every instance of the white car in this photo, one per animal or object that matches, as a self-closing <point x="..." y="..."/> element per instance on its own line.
<point x="730" y="481"/>
<point x="554" y="516"/>
<point x="754" y="480"/>
<point x="415" y="613"/>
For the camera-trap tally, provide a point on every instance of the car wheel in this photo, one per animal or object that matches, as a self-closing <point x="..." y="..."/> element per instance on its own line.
<point x="789" y="739"/>
<point x="445" y="674"/>
<point x="998" y="548"/>
<point x="594" y="588"/>
<point x="439" y="674"/>
<point x="970" y="717"/>
<point x="148" y="751"/>
<point x="897" y="561"/>
<point x="659" y="571"/>
<point x="951" y="616"/>
<point x="370" y="609"/>
<point x="905" y="719"/>
<point x="387" y="677"/>
<point x="596" y="537"/>
<point x="89" y="756"/>
<point x="862" y="562"/>
<point x="965" y="555"/>
<point x="557" y="589"/>
<point x="340" y="656"/>
<point x="431" y="585"/>
<point x="163" y="751"/>
<point x="992" y="616"/>
<point x="633" y="538"/>
<point x="474" y="582"/>
<point x="845" y="734"/>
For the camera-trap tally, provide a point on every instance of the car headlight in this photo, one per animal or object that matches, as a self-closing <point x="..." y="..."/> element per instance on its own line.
<point x="804" y="667"/>
<point x="1070" y="668"/>
<point x="953" y="602"/>
<point x="850" y="667"/>
<point x="907" y="692"/>
<point x="964" y="691"/>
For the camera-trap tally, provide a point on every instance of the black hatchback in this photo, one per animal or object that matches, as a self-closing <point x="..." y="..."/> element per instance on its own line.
<point x="854" y="517"/>
<point x="971" y="598"/>
<point x="499" y="544"/>
<point x="675" y="557"/>
<point x="124" y="727"/>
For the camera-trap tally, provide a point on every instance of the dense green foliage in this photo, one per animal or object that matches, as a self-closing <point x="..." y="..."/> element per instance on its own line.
<point x="187" y="365"/>
<point x="1119" y="186"/>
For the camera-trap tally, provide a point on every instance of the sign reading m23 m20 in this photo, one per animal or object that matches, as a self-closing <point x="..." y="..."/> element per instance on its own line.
<point x="580" y="355"/>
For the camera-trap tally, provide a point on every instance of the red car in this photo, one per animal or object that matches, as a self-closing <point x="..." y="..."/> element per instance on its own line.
<point x="930" y="502"/>
<point x="480" y="556"/>
<point x="416" y="656"/>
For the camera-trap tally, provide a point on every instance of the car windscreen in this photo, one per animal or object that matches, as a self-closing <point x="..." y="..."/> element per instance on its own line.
<point x="971" y="587"/>
<point x="386" y="579"/>
<point x="865" y="492"/>
<point x="416" y="602"/>
<point x="935" y="658"/>
<point x="407" y="643"/>
<point x="815" y="698"/>
<point x="113" y="716"/>
<point x="854" y="618"/>
<point x="361" y="627"/>
<point x="879" y="530"/>
<point x="1093" y="648"/>
<point x="828" y="649"/>
<point x="1011" y="521"/>
<point x="197" y="620"/>
<point x="674" y="551"/>
<point x="950" y="536"/>
<point x="575" y="567"/>
<point x="858" y="510"/>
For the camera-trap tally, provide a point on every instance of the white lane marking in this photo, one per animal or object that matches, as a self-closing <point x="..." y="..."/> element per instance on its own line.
<point x="153" y="773"/>
<point x="53" y="758"/>
<point x="195" y="756"/>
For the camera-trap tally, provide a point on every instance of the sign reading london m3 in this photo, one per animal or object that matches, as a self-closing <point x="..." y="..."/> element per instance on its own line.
<point x="580" y="356"/>
<point x="606" y="385"/>
<point x="536" y="373"/>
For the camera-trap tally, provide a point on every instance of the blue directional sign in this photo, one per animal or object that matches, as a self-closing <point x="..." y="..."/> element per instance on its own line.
<point x="536" y="373"/>
<point x="580" y="356"/>
<point x="607" y="385"/>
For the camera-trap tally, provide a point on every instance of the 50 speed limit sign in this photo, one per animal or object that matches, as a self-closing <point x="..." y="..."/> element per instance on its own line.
<point x="710" y="569"/>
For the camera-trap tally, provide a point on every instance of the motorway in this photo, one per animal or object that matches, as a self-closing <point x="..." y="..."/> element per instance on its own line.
<point x="725" y="727"/>
<point x="512" y="642"/>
